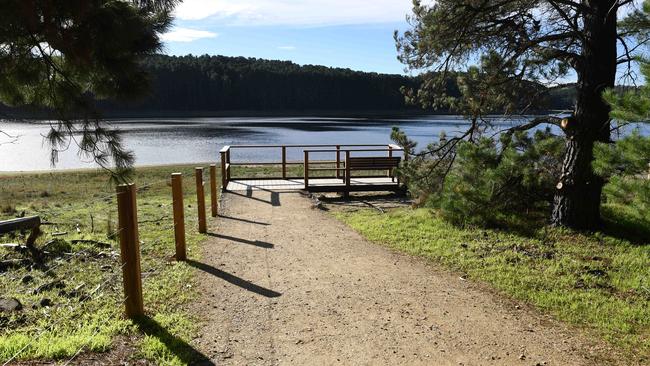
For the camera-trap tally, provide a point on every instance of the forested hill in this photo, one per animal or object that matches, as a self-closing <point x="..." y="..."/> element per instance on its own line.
<point x="211" y="85"/>
<point x="219" y="83"/>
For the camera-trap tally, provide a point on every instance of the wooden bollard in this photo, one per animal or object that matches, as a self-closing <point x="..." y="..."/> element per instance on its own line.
<point x="130" y="249"/>
<point x="213" y="189"/>
<point x="200" y="200"/>
<point x="179" y="216"/>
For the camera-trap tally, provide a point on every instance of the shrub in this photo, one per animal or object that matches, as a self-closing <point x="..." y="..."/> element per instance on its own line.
<point x="490" y="182"/>
<point x="624" y="165"/>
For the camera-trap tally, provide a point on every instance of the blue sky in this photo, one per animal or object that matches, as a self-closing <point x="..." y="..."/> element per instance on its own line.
<point x="356" y="34"/>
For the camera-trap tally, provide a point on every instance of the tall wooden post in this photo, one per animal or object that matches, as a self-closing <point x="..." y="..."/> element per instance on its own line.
<point x="200" y="200"/>
<point x="347" y="174"/>
<point x="306" y="172"/>
<point x="224" y="176"/>
<point x="213" y="189"/>
<point x="130" y="249"/>
<point x="179" y="216"/>
<point x="284" y="162"/>
<point x="338" y="161"/>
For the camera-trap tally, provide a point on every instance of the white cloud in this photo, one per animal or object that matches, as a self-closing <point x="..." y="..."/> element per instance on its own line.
<point x="287" y="48"/>
<point x="295" y="12"/>
<point x="180" y="34"/>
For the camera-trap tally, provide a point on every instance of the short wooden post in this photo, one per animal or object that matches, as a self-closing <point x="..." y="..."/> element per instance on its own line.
<point x="224" y="177"/>
<point x="347" y="174"/>
<point x="213" y="189"/>
<point x="130" y="249"/>
<point x="200" y="200"/>
<point x="284" y="162"/>
<point x="338" y="161"/>
<point x="306" y="172"/>
<point x="179" y="216"/>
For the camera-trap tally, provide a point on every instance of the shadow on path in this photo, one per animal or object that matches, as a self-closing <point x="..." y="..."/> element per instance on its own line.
<point x="181" y="349"/>
<point x="257" y="243"/>
<point x="275" y="197"/>
<point x="247" y="285"/>
<point x="244" y="220"/>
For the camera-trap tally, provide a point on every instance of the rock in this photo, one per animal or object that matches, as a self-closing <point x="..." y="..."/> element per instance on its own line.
<point x="10" y="304"/>
<point x="522" y="356"/>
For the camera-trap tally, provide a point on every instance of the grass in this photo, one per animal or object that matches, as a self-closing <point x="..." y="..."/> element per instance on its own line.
<point x="595" y="281"/>
<point x="72" y="300"/>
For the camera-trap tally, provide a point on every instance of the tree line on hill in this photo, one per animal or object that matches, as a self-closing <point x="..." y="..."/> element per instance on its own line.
<point x="205" y="84"/>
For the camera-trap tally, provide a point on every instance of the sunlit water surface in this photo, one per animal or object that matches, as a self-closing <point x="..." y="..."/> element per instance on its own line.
<point x="187" y="140"/>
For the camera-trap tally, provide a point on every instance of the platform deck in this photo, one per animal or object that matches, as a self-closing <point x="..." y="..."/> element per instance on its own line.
<point x="315" y="184"/>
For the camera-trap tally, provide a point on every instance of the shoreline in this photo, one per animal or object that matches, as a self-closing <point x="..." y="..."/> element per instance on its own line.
<point x="86" y="170"/>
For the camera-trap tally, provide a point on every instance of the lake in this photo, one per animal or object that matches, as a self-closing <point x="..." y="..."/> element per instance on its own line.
<point x="187" y="140"/>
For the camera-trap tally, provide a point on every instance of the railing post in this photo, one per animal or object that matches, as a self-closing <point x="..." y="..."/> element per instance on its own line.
<point x="213" y="189"/>
<point x="130" y="249"/>
<point x="284" y="162"/>
<point x="224" y="177"/>
<point x="200" y="200"/>
<point x="390" y="155"/>
<point x="228" y="162"/>
<point x="347" y="174"/>
<point x="306" y="172"/>
<point x="338" y="161"/>
<point x="179" y="216"/>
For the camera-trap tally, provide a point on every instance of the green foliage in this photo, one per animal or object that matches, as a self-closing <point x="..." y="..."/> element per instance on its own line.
<point x="599" y="282"/>
<point x="628" y="156"/>
<point x="626" y="166"/>
<point x="483" y="183"/>
<point x="424" y="174"/>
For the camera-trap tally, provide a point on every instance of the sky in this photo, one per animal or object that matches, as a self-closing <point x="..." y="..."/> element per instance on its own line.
<point x="355" y="34"/>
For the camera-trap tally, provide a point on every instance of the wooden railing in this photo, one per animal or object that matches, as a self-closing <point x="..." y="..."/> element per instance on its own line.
<point x="345" y="166"/>
<point x="307" y="163"/>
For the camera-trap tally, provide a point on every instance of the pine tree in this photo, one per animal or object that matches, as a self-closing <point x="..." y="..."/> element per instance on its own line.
<point x="63" y="55"/>
<point x="533" y="42"/>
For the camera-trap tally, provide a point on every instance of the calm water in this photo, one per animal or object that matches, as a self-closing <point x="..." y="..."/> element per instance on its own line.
<point x="187" y="140"/>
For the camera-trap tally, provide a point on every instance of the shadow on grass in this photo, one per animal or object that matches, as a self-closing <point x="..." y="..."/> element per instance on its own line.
<point x="397" y="197"/>
<point x="181" y="349"/>
<point x="237" y="281"/>
<point x="257" y="243"/>
<point x="637" y="233"/>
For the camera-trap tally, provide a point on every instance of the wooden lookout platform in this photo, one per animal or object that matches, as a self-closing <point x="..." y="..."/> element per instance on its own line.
<point x="325" y="168"/>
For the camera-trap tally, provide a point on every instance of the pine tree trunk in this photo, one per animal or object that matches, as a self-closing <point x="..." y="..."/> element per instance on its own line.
<point x="578" y="195"/>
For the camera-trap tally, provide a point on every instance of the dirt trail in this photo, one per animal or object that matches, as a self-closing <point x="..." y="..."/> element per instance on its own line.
<point x="284" y="283"/>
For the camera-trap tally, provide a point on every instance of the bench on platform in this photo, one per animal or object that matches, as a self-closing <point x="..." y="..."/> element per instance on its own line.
<point x="375" y="163"/>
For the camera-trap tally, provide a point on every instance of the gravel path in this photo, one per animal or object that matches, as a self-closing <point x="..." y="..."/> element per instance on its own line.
<point x="284" y="283"/>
